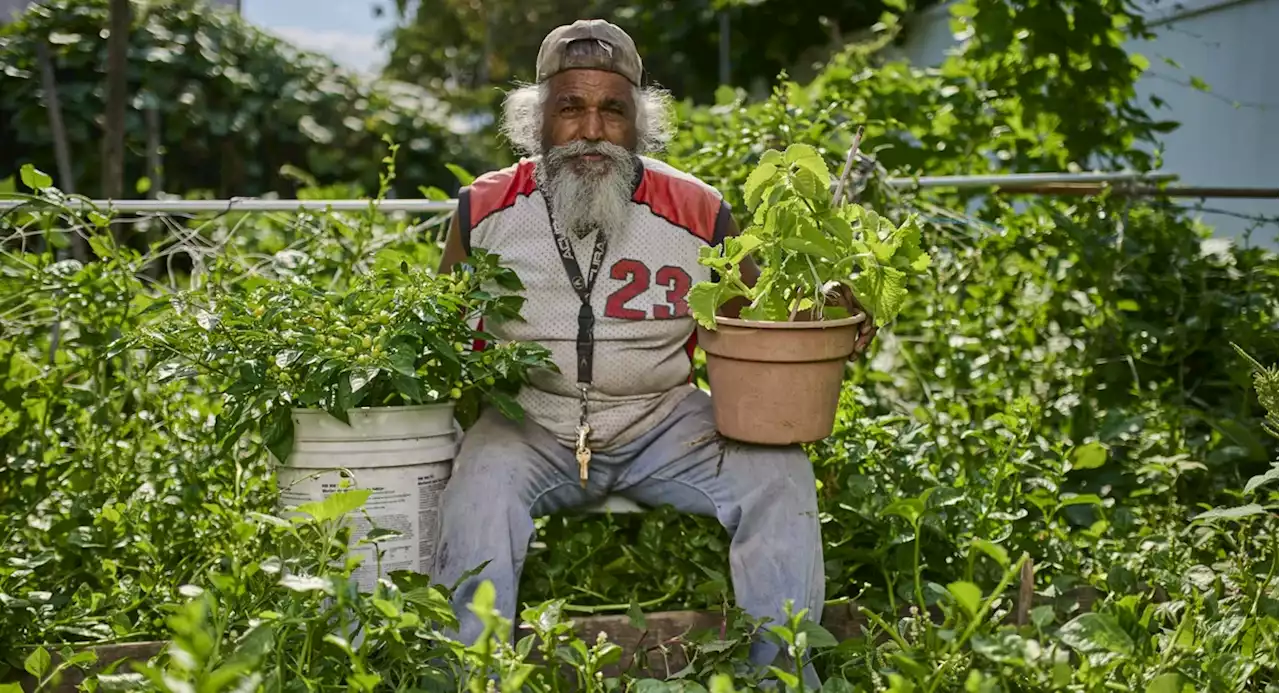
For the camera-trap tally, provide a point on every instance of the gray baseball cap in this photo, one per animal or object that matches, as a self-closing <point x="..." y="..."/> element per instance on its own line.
<point x="620" y="53"/>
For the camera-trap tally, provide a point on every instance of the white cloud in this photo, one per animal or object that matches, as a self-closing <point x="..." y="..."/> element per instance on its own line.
<point x="356" y="51"/>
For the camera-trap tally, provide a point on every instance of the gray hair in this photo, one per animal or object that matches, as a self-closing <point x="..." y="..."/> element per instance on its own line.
<point x="522" y="118"/>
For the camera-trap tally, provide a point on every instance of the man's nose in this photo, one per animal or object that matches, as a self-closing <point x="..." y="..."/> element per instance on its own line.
<point x="593" y="126"/>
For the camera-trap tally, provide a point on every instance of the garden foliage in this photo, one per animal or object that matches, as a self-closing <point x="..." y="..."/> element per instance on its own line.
<point x="238" y="108"/>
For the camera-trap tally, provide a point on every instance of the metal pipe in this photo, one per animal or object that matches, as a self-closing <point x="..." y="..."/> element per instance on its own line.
<point x="1012" y="180"/>
<point x="249" y="205"/>
<point x="1022" y="179"/>
<point x="1151" y="191"/>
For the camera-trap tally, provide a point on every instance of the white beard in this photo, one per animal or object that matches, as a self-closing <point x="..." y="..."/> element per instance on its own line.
<point x="598" y="198"/>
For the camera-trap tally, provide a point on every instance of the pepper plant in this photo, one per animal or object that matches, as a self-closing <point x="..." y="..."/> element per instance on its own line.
<point x="391" y="338"/>
<point x="809" y="246"/>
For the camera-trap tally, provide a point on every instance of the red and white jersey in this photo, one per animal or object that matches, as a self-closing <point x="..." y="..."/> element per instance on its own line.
<point x="644" y="335"/>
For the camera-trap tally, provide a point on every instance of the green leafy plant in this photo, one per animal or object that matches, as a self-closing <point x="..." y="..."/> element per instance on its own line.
<point x="809" y="246"/>
<point x="392" y="338"/>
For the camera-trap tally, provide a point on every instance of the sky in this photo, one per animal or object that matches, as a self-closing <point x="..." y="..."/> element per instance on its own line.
<point x="344" y="30"/>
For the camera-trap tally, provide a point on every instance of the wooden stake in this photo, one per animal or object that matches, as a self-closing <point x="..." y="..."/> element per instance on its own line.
<point x="1026" y="591"/>
<point x="61" y="151"/>
<point x="849" y="160"/>
<point x="117" y="86"/>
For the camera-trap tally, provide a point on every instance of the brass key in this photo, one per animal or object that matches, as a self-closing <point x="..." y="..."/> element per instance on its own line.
<point x="583" y="453"/>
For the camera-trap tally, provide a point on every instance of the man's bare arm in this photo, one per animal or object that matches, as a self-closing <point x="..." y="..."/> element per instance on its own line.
<point x="454" y="253"/>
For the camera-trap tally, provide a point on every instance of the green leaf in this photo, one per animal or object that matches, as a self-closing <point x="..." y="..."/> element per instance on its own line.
<point x="337" y="504"/>
<point x="286" y="358"/>
<point x="787" y="678"/>
<point x="738" y="247"/>
<point x="1089" y="456"/>
<point x="756" y="184"/>
<point x="703" y="302"/>
<point x="799" y="151"/>
<point x="635" y="615"/>
<point x="1236" y="513"/>
<point x="386" y="608"/>
<point x="773" y="156"/>
<point x="307" y="583"/>
<point x="433" y="193"/>
<point x="995" y="551"/>
<point x="1172" y="682"/>
<point x="841" y="229"/>
<point x="507" y="406"/>
<point x="967" y="595"/>
<point x="819" y="638"/>
<point x="37" y="663"/>
<point x="101" y="247"/>
<point x="361" y="377"/>
<point x="815" y="165"/>
<point x="1200" y="84"/>
<point x="910" y="509"/>
<point x="1269" y="478"/>
<point x="1095" y="632"/>
<point x="34" y="178"/>
<point x="409" y="388"/>
<point x="278" y="433"/>
<point x="461" y="174"/>
<point x="810" y="185"/>
<point x="881" y="290"/>
<point x="1042" y="615"/>
<point x="207" y="320"/>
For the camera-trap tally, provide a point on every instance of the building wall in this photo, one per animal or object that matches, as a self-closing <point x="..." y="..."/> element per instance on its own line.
<point x="1228" y="136"/>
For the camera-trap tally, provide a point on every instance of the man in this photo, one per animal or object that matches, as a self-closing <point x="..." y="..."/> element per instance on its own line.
<point x="606" y="242"/>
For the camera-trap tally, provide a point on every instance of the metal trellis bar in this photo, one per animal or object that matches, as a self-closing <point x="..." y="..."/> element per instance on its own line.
<point x="1013" y="180"/>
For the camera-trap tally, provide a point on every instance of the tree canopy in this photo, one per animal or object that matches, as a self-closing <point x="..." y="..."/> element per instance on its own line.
<point x="473" y="45"/>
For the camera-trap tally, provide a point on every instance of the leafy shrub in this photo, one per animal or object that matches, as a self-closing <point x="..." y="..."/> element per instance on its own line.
<point x="236" y="105"/>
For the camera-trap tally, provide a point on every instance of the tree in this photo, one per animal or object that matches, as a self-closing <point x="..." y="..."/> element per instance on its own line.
<point x="235" y="106"/>
<point x="472" y="45"/>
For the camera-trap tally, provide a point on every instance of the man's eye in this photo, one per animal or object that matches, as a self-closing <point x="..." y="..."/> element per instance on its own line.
<point x="567" y="110"/>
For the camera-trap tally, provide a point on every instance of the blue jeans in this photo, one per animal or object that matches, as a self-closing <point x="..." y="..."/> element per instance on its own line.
<point x="507" y="473"/>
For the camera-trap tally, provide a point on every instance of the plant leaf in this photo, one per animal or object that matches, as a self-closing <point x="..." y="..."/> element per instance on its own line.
<point x="461" y="174"/>
<point x="1095" y="632"/>
<point x="756" y="184"/>
<point x="37" y="663"/>
<point x="1270" y="478"/>
<point x="337" y="504"/>
<point x="35" y="179"/>
<point x="967" y="595"/>
<point x="1089" y="456"/>
<point x="1236" y="513"/>
<point x="995" y="551"/>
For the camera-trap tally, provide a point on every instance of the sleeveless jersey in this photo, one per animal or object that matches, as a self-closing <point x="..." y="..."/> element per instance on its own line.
<point x="644" y="334"/>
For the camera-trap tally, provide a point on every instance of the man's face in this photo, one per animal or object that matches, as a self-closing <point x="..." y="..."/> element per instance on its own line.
<point x="591" y="106"/>
<point x="588" y="147"/>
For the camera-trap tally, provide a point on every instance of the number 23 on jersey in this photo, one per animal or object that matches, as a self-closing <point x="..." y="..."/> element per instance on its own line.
<point x="623" y="304"/>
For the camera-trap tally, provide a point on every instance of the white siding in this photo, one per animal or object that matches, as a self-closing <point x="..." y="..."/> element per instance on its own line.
<point x="1228" y="136"/>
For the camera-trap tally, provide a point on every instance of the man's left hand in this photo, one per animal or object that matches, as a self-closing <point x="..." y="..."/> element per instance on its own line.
<point x="843" y="297"/>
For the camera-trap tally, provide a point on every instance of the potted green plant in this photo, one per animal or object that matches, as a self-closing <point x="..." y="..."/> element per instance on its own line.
<point x="775" y="372"/>
<point x="360" y="387"/>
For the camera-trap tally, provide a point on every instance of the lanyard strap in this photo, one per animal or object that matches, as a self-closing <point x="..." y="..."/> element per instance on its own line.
<point x="582" y="286"/>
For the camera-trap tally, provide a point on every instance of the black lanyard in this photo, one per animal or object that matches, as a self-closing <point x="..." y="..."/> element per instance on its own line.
<point x="582" y="286"/>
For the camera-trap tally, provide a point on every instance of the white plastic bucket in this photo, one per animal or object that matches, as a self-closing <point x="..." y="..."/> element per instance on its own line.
<point x="403" y="454"/>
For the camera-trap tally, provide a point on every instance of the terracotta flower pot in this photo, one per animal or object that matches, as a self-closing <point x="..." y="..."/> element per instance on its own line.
<point x="777" y="383"/>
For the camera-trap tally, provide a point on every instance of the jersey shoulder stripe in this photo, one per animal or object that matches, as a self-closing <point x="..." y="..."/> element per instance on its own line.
<point x="680" y="199"/>
<point x="497" y="190"/>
